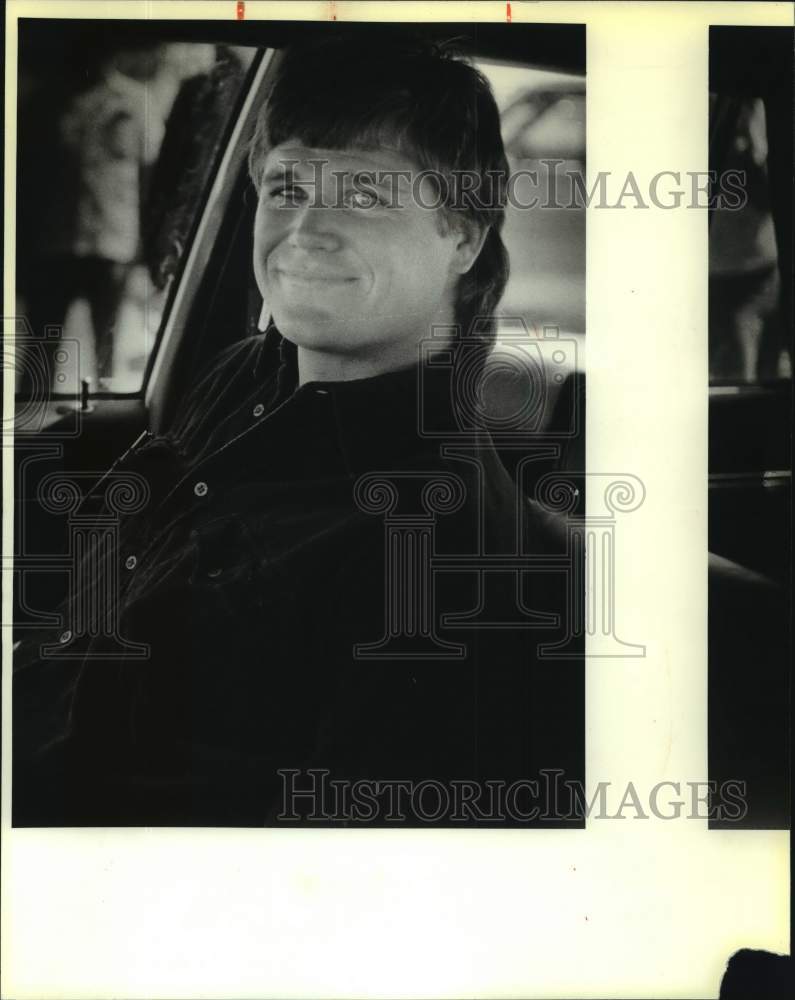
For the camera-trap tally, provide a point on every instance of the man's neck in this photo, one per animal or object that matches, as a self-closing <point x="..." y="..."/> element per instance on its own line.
<point x="323" y="366"/>
<point x="332" y="366"/>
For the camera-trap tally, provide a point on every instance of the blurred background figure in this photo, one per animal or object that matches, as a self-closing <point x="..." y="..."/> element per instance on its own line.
<point x="84" y="162"/>
<point x="746" y="335"/>
<point x="213" y="75"/>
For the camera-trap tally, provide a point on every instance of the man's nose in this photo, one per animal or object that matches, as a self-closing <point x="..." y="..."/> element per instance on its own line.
<point x="313" y="229"/>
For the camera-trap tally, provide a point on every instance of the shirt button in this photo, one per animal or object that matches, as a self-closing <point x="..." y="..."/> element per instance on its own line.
<point x="258" y="410"/>
<point x="65" y="637"/>
<point x="200" y="489"/>
<point x="130" y="562"/>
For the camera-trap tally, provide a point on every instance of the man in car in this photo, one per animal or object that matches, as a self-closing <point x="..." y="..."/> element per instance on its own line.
<point x="280" y="573"/>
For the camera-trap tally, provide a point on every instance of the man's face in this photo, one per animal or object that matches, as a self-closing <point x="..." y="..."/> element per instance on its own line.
<point x="346" y="257"/>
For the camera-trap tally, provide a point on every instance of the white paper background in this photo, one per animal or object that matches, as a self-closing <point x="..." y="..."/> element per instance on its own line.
<point x="624" y="909"/>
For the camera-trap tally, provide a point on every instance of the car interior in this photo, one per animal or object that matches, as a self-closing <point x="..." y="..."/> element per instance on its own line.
<point x="199" y="262"/>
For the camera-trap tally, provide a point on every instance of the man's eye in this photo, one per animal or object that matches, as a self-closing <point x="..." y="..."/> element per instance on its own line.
<point x="286" y="196"/>
<point x="359" y="198"/>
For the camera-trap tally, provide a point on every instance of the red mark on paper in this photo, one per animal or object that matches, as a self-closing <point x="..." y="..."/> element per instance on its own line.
<point x="241" y="9"/>
<point x="332" y="10"/>
<point x="508" y="13"/>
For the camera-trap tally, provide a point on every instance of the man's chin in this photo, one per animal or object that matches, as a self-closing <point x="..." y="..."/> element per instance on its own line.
<point x="314" y="329"/>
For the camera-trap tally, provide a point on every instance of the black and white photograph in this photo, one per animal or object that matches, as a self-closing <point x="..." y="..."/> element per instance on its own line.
<point x="314" y="528"/>
<point x="397" y="447"/>
<point x="750" y="417"/>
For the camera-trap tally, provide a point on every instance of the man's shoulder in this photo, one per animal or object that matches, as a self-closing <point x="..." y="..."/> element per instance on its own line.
<point x="549" y="528"/>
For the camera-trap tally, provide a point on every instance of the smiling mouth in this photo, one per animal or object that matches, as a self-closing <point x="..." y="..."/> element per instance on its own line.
<point x="312" y="279"/>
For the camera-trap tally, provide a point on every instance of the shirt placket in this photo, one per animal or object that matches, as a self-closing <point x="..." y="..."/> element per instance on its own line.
<point x="196" y="492"/>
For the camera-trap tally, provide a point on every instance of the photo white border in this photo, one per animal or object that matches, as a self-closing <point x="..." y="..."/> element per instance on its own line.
<point x="622" y="909"/>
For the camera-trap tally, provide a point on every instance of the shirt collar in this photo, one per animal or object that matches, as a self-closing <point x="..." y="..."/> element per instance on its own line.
<point x="380" y="422"/>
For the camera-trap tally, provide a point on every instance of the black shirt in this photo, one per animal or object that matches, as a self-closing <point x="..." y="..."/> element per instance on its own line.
<point x="275" y="573"/>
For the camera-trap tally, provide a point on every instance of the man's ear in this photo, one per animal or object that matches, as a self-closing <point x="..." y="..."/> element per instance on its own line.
<point x="471" y="235"/>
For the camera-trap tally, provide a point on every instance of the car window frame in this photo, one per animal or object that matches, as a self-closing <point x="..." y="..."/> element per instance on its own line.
<point x="219" y="190"/>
